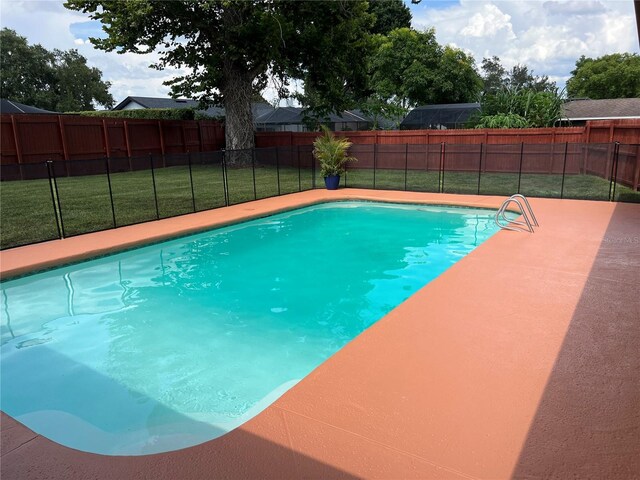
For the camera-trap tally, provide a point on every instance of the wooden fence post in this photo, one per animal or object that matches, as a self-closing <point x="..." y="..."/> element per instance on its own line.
<point x="65" y="152"/>
<point x="161" y="132"/>
<point x="184" y="141"/>
<point x="609" y="154"/>
<point x="126" y="140"/>
<point x="18" y="146"/>
<point x="582" y="169"/>
<point x="586" y="134"/>
<point x="636" y="173"/>
<point x="105" y="134"/>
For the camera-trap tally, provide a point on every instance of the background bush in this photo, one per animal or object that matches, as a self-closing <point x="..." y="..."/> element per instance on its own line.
<point x="147" y="113"/>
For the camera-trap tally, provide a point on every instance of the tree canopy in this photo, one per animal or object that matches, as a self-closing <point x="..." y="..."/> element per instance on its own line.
<point x="496" y="78"/>
<point x="79" y="85"/>
<point x="410" y="68"/>
<point x="229" y="49"/>
<point x="59" y="80"/>
<point x="389" y="15"/>
<point x="457" y="80"/>
<point x="520" y="77"/>
<point x="610" y="76"/>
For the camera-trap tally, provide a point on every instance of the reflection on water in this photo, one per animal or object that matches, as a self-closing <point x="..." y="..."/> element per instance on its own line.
<point x="207" y="326"/>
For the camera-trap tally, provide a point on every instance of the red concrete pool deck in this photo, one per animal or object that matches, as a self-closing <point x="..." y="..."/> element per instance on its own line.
<point x="520" y="361"/>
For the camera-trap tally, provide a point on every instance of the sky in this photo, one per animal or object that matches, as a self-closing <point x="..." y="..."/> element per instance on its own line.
<point x="546" y="35"/>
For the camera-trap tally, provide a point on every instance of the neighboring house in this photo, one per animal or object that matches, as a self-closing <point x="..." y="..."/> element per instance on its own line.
<point x="578" y="112"/>
<point x="136" y="103"/>
<point x="440" y="117"/>
<point x="266" y="117"/>
<point x="292" y="119"/>
<point x="11" y="107"/>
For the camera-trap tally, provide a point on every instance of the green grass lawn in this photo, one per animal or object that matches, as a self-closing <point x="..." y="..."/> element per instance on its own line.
<point x="587" y="187"/>
<point x="27" y="214"/>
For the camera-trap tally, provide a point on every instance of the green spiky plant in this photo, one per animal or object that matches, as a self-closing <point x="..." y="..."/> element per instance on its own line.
<point x="332" y="153"/>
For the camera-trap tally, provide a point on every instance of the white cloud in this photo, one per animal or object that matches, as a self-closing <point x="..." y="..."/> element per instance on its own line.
<point x="489" y="23"/>
<point x="50" y="24"/>
<point x="43" y="22"/>
<point x="547" y="36"/>
<point x="574" y="7"/>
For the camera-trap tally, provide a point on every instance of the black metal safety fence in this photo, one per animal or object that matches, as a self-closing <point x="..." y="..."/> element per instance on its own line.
<point x="607" y="172"/>
<point x="66" y="198"/>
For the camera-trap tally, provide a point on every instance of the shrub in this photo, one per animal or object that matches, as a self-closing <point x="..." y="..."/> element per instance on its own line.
<point x="145" y="113"/>
<point x="518" y="108"/>
<point x="503" y="120"/>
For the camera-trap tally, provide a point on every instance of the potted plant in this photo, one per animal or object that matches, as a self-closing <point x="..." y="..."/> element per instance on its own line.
<point x="332" y="153"/>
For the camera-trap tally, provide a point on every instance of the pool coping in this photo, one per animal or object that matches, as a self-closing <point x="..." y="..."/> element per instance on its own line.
<point x="456" y="382"/>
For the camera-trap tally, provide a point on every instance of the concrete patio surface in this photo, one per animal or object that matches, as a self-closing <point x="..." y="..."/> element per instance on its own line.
<point x="520" y="361"/>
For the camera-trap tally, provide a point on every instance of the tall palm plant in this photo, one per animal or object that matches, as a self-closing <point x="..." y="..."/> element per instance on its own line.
<point x="332" y="153"/>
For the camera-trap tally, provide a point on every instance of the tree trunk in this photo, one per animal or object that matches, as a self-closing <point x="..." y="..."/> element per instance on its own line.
<point x="237" y="92"/>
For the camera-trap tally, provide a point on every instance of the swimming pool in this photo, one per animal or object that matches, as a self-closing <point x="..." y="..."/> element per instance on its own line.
<point x="173" y="344"/>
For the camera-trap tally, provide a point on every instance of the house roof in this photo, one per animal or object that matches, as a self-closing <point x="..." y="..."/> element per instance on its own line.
<point x="601" y="109"/>
<point x="281" y="116"/>
<point x="260" y="109"/>
<point x="443" y="114"/>
<point x="295" y="116"/>
<point x="159" y="102"/>
<point x="155" y="102"/>
<point x="9" y="106"/>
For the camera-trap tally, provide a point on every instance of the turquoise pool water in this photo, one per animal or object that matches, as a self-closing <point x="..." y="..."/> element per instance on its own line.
<point x="173" y="344"/>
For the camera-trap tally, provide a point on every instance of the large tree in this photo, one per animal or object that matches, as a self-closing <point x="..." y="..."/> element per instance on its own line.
<point x="79" y="86"/>
<point x="229" y="48"/>
<point x="59" y="80"/>
<point x="497" y="78"/>
<point x="457" y="80"/>
<point x="610" y="76"/>
<point x="410" y="68"/>
<point x="389" y="15"/>
<point x="520" y="77"/>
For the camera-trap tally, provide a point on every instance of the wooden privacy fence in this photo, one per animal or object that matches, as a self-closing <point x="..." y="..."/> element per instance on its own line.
<point x="430" y="137"/>
<point x="589" y="149"/>
<point x="605" y="131"/>
<point x="34" y="139"/>
<point x="28" y="139"/>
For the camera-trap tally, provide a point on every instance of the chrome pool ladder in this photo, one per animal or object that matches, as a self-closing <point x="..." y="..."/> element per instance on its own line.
<point x="529" y="218"/>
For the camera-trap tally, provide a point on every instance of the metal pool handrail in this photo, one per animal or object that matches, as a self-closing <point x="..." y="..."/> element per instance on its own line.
<point x="515" y="225"/>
